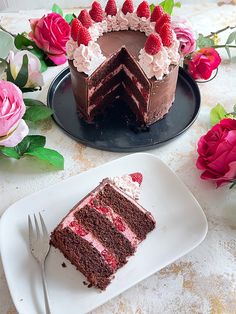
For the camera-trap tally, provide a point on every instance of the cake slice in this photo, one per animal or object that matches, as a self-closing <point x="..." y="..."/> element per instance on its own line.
<point x="104" y="229"/>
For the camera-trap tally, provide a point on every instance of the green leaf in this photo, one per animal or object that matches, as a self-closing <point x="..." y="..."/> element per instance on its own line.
<point x="49" y="155"/>
<point x="44" y="66"/>
<point x="37" y="113"/>
<point x="57" y="9"/>
<point x="22" y="42"/>
<point x="28" y="143"/>
<point x="36" y="141"/>
<point x="10" y="78"/>
<point x="7" y="44"/>
<point x="32" y="102"/>
<point x="217" y="114"/>
<point x="228" y="52"/>
<point x="152" y="6"/>
<point x="231" y="38"/>
<point x="37" y="52"/>
<point x="10" y="152"/>
<point x="167" y="6"/>
<point x="204" y="41"/>
<point x="22" y="76"/>
<point x="69" y="17"/>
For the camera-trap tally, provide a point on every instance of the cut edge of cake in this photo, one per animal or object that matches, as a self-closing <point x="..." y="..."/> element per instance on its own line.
<point x="102" y="231"/>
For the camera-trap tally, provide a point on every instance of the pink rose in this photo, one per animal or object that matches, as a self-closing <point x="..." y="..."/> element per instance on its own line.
<point x="50" y="33"/>
<point x="184" y="34"/>
<point x="217" y="153"/>
<point x="12" y="108"/>
<point x="203" y="62"/>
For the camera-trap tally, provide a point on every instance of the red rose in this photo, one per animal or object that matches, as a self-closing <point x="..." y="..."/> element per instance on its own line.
<point x="50" y="33"/>
<point x="217" y="153"/>
<point x="203" y="62"/>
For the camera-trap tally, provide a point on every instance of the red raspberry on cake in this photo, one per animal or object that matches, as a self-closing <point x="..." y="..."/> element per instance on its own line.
<point x="96" y="12"/>
<point x="111" y="8"/>
<point x="143" y="10"/>
<point x="75" y="26"/>
<point x="128" y="7"/>
<point x="137" y="177"/>
<point x="166" y="34"/>
<point x="119" y="224"/>
<point x="153" y="44"/>
<point x="83" y="36"/>
<point x="157" y="13"/>
<point x="78" y="229"/>
<point x="85" y="19"/>
<point x="164" y="19"/>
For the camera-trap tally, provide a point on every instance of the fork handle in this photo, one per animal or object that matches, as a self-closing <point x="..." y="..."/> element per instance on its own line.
<point x="45" y="290"/>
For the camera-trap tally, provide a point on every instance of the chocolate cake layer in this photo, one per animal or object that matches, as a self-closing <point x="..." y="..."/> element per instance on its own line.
<point x="138" y="221"/>
<point x="83" y="256"/>
<point x="105" y="231"/>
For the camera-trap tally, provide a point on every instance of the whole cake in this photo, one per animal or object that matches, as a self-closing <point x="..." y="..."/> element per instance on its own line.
<point x="128" y="54"/>
<point x="104" y="228"/>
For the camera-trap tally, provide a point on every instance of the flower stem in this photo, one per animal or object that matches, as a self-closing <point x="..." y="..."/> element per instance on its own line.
<point x="223" y="46"/>
<point x="220" y="31"/>
<point x="6" y="31"/>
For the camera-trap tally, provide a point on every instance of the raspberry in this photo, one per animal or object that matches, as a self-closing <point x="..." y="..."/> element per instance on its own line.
<point x="103" y="210"/>
<point x="83" y="36"/>
<point x="166" y="35"/>
<point x="111" y="8"/>
<point x="128" y="7"/>
<point x="164" y="19"/>
<point x="85" y="19"/>
<point x="153" y="44"/>
<point x="75" y="26"/>
<point x="119" y="224"/>
<point x="109" y="258"/>
<point x="78" y="229"/>
<point x="157" y="13"/>
<point x="137" y="177"/>
<point x="96" y="12"/>
<point x="143" y="10"/>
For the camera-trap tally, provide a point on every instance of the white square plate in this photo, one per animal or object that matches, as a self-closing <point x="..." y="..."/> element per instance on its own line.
<point x="181" y="226"/>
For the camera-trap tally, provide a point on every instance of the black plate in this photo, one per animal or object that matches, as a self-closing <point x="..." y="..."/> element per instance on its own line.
<point x="113" y="133"/>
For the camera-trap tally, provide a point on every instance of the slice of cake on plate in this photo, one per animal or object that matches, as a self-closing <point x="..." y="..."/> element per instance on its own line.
<point x="104" y="229"/>
<point x="127" y="54"/>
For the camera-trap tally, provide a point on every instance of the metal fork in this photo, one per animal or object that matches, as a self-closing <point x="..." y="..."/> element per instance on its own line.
<point x="39" y="247"/>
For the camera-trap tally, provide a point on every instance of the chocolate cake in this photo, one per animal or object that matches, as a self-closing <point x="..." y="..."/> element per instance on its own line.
<point x="127" y="54"/>
<point x="104" y="229"/>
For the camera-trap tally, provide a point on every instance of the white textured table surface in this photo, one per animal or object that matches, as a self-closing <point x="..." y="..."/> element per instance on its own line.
<point x="204" y="281"/>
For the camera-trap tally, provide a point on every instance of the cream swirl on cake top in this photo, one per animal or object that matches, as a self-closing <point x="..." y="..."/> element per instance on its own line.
<point x="88" y="58"/>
